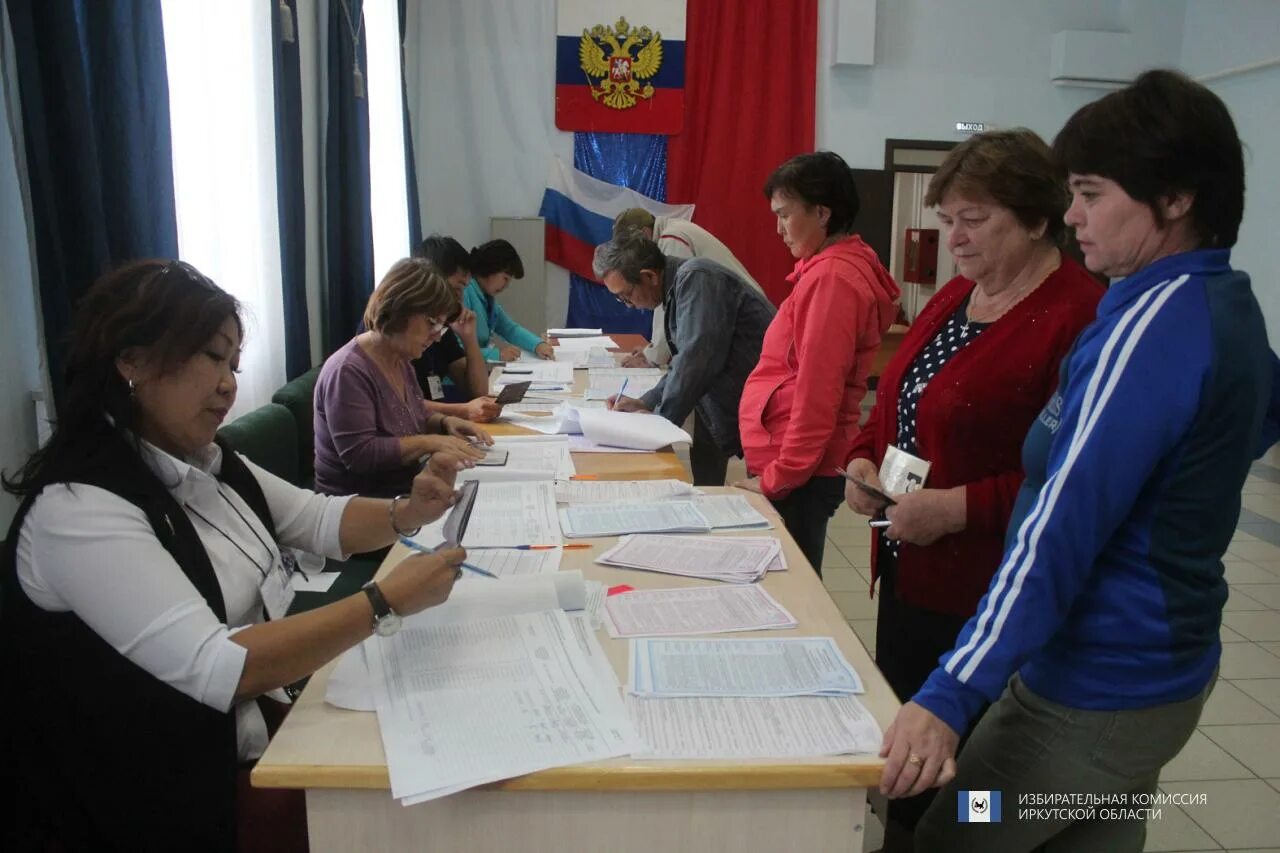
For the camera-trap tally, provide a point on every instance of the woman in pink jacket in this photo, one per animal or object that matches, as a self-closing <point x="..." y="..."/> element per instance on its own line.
<point x="801" y="405"/>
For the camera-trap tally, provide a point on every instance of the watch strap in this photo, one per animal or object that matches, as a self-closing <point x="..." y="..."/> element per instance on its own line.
<point x="381" y="608"/>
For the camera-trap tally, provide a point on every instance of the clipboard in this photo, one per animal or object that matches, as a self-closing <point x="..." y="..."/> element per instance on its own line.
<point x="512" y="393"/>
<point x="455" y="526"/>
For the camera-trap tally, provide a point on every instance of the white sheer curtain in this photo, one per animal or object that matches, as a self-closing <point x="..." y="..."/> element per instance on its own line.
<point x="221" y="106"/>
<point x="388" y="193"/>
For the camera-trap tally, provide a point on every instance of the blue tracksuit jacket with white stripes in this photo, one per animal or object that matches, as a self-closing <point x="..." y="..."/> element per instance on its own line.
<point x="1110" y="592"/>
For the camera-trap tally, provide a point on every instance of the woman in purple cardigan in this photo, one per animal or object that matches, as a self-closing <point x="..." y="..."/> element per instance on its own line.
<point x="371" y="423"/>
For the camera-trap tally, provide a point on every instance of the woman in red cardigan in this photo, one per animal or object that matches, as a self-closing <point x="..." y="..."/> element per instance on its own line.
<point x="801" y="404"/>
<point x="972" y="373"/>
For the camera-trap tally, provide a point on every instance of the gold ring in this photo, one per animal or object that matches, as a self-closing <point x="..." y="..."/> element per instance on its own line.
<point x="917" y="760"/>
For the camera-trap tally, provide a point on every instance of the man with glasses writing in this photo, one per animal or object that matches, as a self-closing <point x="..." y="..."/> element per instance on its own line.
<point x="715" y="323"/>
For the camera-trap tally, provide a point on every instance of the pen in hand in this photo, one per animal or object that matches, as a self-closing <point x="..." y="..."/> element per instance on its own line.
<point x="423" y="549"/>
<point x="621" y="391"/>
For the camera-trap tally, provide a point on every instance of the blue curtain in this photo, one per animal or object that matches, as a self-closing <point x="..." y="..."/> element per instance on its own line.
<point x="348" y="221"/>
<point x="410" y="169"/>
<point x="290" y="198"/>
<point x="95" y="117"/>
<point x="634" y="160"/>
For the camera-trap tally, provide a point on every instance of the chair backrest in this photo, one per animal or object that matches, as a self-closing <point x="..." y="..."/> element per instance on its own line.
<point x="298" y="396"/>
<point x="268" y="436"/>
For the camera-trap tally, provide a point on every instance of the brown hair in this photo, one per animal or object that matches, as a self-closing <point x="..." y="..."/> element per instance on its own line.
<point x="1013" y="168"/>
<point x="412" y="286"/>
<point x="171" y="310"/>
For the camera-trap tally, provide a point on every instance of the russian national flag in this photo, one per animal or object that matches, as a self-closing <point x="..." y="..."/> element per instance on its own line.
<point x="621" y="61"/>
<point x="579" y="211"/>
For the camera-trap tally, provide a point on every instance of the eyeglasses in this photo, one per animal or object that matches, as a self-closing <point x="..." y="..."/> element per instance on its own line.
<point x="626" y="300"/>
<point x="436" y="324"/>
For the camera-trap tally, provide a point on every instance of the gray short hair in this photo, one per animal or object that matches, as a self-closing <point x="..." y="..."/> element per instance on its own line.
<point x="628" y="254"/>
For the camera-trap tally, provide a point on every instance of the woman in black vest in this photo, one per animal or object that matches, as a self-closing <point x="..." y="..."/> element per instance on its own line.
<point x="144" y="597"/>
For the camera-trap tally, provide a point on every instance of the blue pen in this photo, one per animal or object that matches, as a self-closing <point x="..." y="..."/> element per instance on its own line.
<point x="423" y="549"/>
<point x="622" y="390"/>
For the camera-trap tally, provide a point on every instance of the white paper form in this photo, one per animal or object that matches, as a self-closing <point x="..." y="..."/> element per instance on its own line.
<point x="582" y="444"/>
<point x="507" y="515"/>
<point x="640" y="430"/>
<point x="584" y="358"/>
<point x="462" y="705"/>
<point x="791" y="727"/>
<point x="791" y="666"/>
<point x="737" y="559"/>
<point x="529" y="457"/>
<point x="537" y="371"/>
<point x="509" y="563"/>
<point x="620" y="491"/>
<point x="319" y="582"/>
<point x="587" y="520"/>
<point x="576" y="333"/>
<point x="604" y="382"/>
<point x="697" y="610"/>
<point x="586" y="342"/>
<point x="350" y="686"/>
<point x="730" y="511"/>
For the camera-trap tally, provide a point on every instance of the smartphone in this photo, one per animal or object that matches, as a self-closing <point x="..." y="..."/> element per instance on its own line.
<point x="512" y="393"/>
<point x="493" y="456"/>
<point x="867" y="489"/>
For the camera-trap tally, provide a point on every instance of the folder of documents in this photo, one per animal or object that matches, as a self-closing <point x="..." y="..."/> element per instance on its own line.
<point x="580" y="521"/>
<point x="789" y="666"/>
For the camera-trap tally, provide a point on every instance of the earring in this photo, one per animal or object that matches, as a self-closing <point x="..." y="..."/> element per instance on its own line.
<point x="131" y="386"/>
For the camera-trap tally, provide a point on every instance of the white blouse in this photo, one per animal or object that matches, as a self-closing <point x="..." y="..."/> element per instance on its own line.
<point x="86" y="550"/>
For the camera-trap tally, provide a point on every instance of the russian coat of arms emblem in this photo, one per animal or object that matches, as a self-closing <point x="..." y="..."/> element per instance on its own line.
<point x="613" y="70"/>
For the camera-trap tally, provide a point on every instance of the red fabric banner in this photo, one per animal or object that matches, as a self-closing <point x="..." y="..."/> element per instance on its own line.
<point x="750" y="92"/>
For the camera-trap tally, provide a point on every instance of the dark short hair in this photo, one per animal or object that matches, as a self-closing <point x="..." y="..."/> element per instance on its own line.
<point x="1161" y="135"/>
<point x="169" y="310"/>
<point x="628" y="254"/>
<point x="445" y="253"/>
<point x="1013" y="168"/>
<point x="494" y="257"/>
<point x="632" y="219"/>
<point x="412" y="286"/>
<point x="821" y="178"/>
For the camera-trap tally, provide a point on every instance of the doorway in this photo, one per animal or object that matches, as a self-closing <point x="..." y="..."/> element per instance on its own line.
<point x="910" y="165"/>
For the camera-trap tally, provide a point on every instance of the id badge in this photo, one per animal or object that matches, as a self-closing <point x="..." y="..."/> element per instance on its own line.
<point x="277" y="592"/>
<point x="435" y="387"/>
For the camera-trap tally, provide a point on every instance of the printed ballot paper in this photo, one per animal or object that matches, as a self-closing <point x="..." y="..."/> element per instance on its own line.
<point x="791" y="666"/>
<point x="604" y="382"/>
<point x="504" y="515"/>
<point x="621" y="491"/>
<point x="694" y="610"/>
<point x="736" y="559"/>
<point x="630" y="430"/>
<point x="529" y="457"/>
<point x="465" y="704"/>
<point x="581" y="521"/>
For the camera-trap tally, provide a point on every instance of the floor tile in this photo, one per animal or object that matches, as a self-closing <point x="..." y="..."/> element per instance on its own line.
<point x="1264" y="593"/>
<point x="1229" y="705"/>
<point x="832" y="558"/>
<point x="1256" y="625"/>
<point x="844" y="580"/>
<point x="843" y="536"/>
<point x="1256" y="747"/>
<point x="1248" y="660"/>
<point x="1175" y="830"/>
<point x="1201" y="758"/>
<point x="1255" y="550"/>
<point x="1227" y="635"/>
<point x="1273" y="648"/>
<point x="1239" y="600"/>
<point x="858" y="554"/>
<point x="1237" y="814"/>
<point x="866" y="631"/>
<point x="1244" y="572"/>
<point x="1265" y="690"/>
<point x="856" y="605"/>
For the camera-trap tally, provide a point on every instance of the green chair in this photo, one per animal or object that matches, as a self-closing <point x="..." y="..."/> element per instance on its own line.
<point x="269" y="437"/>
<point x="298" y="397"/>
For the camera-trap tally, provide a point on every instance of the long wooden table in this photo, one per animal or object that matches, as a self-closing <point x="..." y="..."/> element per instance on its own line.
<point x="621" y="805"/>
<point x="662" y="465"/>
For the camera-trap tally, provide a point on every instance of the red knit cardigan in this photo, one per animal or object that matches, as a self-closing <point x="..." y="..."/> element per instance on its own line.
<point x="970" y="423"/>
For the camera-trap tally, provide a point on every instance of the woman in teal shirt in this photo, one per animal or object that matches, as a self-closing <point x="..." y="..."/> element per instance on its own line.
<point x="493" y="265"/>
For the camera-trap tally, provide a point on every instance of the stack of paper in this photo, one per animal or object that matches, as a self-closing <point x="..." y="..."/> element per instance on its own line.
<point x="529" y="457"/>
<point x="489" y="700"/>
<point x="791" y="666"/>
<point x="790" y="727"/>
<point x="621" y="491"/>
<point x="694" y="610"/>
<point x="586" y="342"/>
<point x="585" y="358"/>
<point x="604" y="382"/>
<point x="511" y="563"/>
<point x="545" y="375"/>
<point x="729" y="511"/>
<point x="721" y="558"/>
<point x="630" y="430"/>
<point x="505" y="515"/>
<point x="576" y="333"/>
<point x="581" y="521"/>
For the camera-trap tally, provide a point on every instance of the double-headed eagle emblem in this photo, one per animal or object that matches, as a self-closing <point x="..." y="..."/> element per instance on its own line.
<point x="619" y="73"/>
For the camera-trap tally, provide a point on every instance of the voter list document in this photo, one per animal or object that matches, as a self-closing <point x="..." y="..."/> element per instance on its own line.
<point x="466" y="704"/>
<point x="792" y="666"/>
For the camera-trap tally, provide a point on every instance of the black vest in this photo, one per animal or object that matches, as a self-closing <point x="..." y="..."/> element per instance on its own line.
<point x="102" y="755"/>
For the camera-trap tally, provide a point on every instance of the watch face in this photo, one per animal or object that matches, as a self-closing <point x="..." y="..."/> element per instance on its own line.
<point x="388" y="625"/>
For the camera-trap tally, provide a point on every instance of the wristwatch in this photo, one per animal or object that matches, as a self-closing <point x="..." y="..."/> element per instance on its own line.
<point x="385" y="620"/>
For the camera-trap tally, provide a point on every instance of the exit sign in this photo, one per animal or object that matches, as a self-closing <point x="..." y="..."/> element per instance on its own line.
<point x="970" y="127"/>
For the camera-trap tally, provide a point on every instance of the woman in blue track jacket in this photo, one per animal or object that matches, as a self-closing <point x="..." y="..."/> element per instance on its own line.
<point x="1097" y="640"/>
